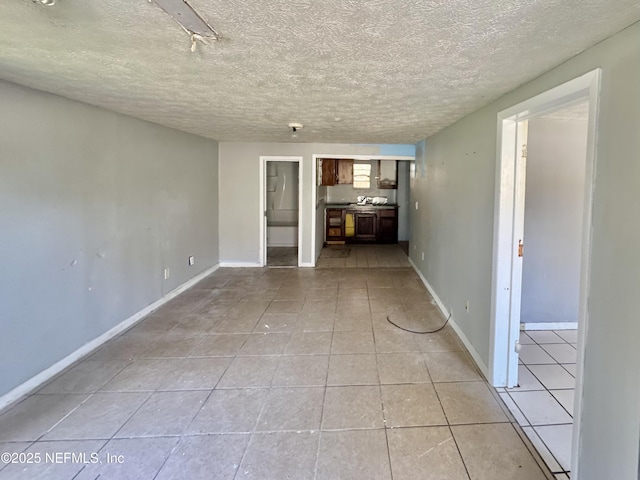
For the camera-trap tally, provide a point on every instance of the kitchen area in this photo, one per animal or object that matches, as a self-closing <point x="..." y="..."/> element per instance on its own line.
<point x="366" y="200"/>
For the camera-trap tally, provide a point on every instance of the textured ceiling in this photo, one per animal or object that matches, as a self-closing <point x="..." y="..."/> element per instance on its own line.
<point x="369" y="71"/>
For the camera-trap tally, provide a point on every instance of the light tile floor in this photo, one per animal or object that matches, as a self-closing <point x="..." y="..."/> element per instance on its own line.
<point x="362" y="256"/>
<point x="543" y="401"/>
<point x="274" y="374"/>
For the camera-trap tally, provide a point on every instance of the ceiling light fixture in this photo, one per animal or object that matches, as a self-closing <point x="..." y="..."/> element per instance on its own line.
<point x="294" y="129"/>
<point x="48" y="3"/>
<point x="191" y="22"/>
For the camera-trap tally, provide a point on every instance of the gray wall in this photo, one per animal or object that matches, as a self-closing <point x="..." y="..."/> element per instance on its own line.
<point x="554" y="197"/>
<point x="94" y="206"/>
<point x="454" y="227"/>
<point x="404" y="227"/>
<point x="240" y="194"/>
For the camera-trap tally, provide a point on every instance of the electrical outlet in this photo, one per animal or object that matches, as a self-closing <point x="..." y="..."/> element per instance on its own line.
<point x="192" y="260"/>
<point x="422" y="255"/>
<point x="416" y="205"/>
<point x="167" y="274"/>
<point x="466" y="305"/>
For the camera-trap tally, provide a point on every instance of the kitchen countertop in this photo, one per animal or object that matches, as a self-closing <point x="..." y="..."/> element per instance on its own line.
<point x="357" y="205"/>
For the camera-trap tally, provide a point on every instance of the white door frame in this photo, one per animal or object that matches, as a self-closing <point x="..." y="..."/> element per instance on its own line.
<point x="263" y="203"/>
<point x="508" y="220"/>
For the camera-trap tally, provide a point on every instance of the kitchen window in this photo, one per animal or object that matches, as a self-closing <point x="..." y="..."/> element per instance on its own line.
<point x="362" y="175"/>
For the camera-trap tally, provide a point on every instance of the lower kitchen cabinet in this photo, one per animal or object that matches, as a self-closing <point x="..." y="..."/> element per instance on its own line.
<point x="366" y="224"/>
<point x="370" y="225"/>
<point x="388" y="226"/>
<point x="335" y="225"/>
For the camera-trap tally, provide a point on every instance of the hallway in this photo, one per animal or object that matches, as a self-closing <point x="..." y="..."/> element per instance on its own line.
<point x="272" y="374"/>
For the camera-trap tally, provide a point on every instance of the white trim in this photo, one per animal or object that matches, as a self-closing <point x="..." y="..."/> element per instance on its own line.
<point x="469" y="346"/>
<point x="549" y="326"/>
<point x="307" y="265"/>
<point x="263" y="179"/>
<point x="365" y="157"/>
<point x="240" y="264"/>
<point x="39" y="379"/>
<point x="314" y="210"/>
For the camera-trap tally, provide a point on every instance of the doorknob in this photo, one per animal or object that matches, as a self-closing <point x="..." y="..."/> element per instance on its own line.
<point x="520" y="248"/>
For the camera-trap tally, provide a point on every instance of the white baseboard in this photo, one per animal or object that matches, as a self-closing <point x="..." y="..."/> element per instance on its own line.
<point x="474" y="354"/>
<point x="307" y="265"/>
<point x="38" y="380"/>
<point x="549" y="326"/>
<point x="240" y="264"/>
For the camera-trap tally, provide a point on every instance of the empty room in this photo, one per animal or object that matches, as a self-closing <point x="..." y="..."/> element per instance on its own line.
<point x="319" y="240"/>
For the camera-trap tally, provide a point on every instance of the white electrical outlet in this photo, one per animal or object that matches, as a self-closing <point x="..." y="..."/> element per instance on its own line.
<point x="422" y="255"/>
<point x="192" y="260"/>
<point x="416" y="205"/>
<point x="167" y="274"/>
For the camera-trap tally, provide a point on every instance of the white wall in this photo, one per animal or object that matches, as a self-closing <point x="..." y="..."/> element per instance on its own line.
<point x="554" y="198"/>
<point x="454" y="227"/>
<point x="94" y="205"/>
<point x="240" y="214"/>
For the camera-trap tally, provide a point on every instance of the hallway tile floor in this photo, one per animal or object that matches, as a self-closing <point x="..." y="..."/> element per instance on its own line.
<point x="274" y="374"/>
<point x="542" y="403"/>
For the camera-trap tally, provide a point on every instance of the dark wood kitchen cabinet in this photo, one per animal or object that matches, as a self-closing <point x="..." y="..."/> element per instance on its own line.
<point x="337" y="171"/>
<point x="388" y="226"/>
<point x="366" y="224"/>
<point x="370" y="225"/>
<point x="335" y="225"/>
<point x="345" y="171"/>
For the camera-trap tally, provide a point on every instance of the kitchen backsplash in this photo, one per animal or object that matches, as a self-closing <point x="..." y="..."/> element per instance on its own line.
<point x="348" y="194"/>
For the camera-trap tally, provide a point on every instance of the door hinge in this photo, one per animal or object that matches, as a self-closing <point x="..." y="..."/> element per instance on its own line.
<point x="520" y="248"/>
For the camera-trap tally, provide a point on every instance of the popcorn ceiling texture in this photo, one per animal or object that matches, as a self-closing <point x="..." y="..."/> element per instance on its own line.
<point x="391" y="71"/>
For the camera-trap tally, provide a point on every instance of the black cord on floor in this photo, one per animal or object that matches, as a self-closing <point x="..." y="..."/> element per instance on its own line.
<point x="419" y="333"/>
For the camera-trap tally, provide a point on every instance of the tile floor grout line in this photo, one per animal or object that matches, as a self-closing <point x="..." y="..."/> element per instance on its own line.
<point x="324" y="399"/>
<point x="384" y="416"/>
<point x="455" y="442"/>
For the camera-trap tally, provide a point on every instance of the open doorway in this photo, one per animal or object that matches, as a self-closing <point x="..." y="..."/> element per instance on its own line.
<point x="280" y="208"/>
<point x="549" y="205"/>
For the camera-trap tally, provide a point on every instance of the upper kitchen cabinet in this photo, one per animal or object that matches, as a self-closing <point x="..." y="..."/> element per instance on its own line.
<point x="336" y="171"/>
<point x="387" y="174"/>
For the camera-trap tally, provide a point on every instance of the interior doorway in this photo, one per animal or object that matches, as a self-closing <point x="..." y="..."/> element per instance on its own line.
<point x="280" y="211"/>
<point x="509" y="231"/>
